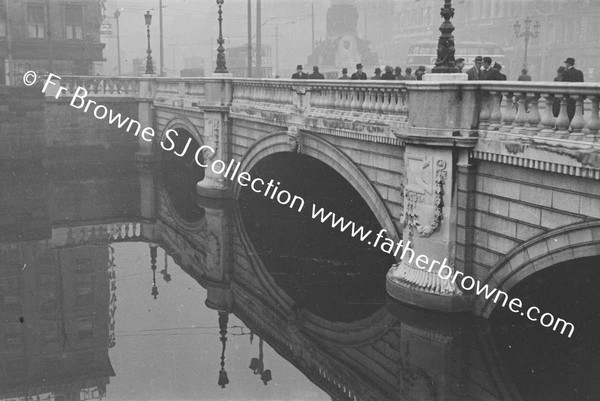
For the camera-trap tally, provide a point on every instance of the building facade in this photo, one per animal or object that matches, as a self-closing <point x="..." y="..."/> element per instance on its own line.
<point x="567" y="29"/>
<point x="62" y="37"/>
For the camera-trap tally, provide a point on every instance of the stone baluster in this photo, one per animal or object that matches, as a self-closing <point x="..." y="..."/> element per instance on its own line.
<point x="485" y="113"/>
<point x="366" y="106"/>
<point x="385" y="102"/>
<point x="592" y="125"/>
<point x="521" y="117"/>
<point x="378" y="100"/>
<point x="360" y="94"/>
<point x="354" y="101"/>
<point x="337" y="95"/>
<point x="496" y="114"/>
<point x="533" y="119"/>
<point x="405" y="99"/>
<point x="393" y="102"/>
<point x="508" y="114"/>
<point x="343" y="99"/>
<point x="562" y="121"/>
<point x="578" y="122"/>
<point x="548" y="120"/>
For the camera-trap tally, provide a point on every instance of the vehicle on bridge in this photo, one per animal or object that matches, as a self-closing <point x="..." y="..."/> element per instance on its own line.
<point x="425" y="53"/>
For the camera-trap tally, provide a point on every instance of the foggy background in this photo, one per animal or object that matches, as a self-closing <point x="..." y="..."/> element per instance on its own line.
<point x="567" y="29"/>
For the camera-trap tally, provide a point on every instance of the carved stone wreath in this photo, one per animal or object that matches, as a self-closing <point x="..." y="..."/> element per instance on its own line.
<point x="412" y="198"/>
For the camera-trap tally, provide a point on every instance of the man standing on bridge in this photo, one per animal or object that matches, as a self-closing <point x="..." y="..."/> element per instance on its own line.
<point x="299" y="74"/>
<point x="571" y="74"/>
<point x="359" y="74"/>
<point x="316" y="74"/>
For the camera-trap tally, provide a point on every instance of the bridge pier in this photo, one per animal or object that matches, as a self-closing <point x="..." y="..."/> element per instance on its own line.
<point x="428" y="274"/>
<point x="217" y="131"/>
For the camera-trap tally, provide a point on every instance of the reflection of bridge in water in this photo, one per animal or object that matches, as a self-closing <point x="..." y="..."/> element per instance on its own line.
<point x="396" y="353"/>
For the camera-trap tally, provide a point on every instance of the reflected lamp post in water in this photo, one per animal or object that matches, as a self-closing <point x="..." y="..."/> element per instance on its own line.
<point x="445" y="51"/>
<point x="221" y="65"/>
<point x="154" y="291"/>
<point x="526" y="34"/>
<point x="149" y="67"/>
<point x="223" y="320"/>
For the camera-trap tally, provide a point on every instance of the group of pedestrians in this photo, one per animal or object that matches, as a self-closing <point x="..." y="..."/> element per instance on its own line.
<point x="389" y="74"/>
<point x="483" y="70"/>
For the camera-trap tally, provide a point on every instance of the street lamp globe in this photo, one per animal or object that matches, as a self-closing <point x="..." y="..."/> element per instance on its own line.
<point x="220" y="2"/>
<point x="517" y="27"/>
<point x="148" y="18"/>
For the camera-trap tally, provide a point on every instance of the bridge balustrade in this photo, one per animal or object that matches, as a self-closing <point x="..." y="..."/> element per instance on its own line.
<point x="527" y="110"/>
<point x="104" y="86"/>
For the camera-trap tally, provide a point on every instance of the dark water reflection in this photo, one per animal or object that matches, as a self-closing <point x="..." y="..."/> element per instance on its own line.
<point x="116" y="284"/>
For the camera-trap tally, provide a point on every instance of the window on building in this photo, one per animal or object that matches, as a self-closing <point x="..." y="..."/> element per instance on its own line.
<point x="36" y="21"/>
<point x="74" y="22"/>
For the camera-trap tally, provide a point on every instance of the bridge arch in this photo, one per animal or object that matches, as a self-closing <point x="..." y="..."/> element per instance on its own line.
<point x="567" y="243"/>
<point x="320" y="149"/>
<point x="177" y="123"/>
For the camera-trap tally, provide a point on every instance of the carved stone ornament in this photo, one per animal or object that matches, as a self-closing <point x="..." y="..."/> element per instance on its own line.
<point x="212" y="135"/>
<point x="295" y="139"/>
<point x="413" y="198"/>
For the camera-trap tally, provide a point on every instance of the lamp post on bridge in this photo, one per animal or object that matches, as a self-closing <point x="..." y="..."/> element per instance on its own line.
<point x="526" y="34"/>
<point x="221" y="65"/>
<point x="445" y="51"/>
<point x="149" y="67"/>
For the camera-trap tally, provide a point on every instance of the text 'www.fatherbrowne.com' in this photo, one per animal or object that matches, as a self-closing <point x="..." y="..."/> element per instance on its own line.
<point x="273" y="190"/>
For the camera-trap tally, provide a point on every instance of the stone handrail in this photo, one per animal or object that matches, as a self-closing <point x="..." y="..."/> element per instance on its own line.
<point x="367" y="101"/>
<point x="180" y="92"/>
<point x="104" y="86"/>
<point x="527" y="109"/>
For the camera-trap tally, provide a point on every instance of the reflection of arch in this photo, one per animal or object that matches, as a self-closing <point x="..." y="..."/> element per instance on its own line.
<point x="572" y="242"/>
<point x="324" y="151"/>
<point x="177" y="123"/>
<point x="362" y="331"/>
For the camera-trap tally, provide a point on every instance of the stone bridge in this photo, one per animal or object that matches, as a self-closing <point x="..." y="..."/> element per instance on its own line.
<point x="482" y="174"/>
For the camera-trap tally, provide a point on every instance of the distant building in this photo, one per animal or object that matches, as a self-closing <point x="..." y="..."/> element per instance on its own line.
<point x="568" y="29"/>
<point x="49" y="36"/>
<point x="342" y="47"/>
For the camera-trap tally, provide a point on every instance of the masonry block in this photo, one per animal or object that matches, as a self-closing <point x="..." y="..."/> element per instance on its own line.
<point x="536" y="195"/>
<point x="501" y="244"/>
<point x="498" y="206"/>
<point x="537" y="250"/>
<point x="482" y="202"/>
<point x="565" y="201"/>
<point x="552" y="219"/>
<point x="502" y="188"/>
<point x="525" y="213"/>
<point x="499" y="225"/>
<point x="526" y="232"/>
<point x="485" y="257"/>
<point x="580" y="236"/>
<point x="590" y="207"/>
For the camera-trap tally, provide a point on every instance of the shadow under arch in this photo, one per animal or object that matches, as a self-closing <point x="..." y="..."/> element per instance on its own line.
<point x="320" y="149"/>
<point x="566" y="243"/>
<point x="176" y="124"/>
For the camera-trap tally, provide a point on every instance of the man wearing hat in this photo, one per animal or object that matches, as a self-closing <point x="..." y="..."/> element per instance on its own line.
<point x="299" y="74"/>
<point x="344" y="74"/>
<point x="571" y="74"/>
<point x="377" y="73"/>
<point x="316" y="74"/>
<point x="420" y="72"/>
<point x="474" y="72"/>
<point x="359" y="74"/>
<point x="460" y="64"/>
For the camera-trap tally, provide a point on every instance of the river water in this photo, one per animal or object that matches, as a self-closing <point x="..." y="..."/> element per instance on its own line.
<point x="118" y="283"/>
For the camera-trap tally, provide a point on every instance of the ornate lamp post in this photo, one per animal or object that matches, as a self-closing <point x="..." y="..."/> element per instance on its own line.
<point x="149" y="68"/>
<point x="221" y="67"/>
<point x="445" y="51"/>
<point x="526" y="34"/>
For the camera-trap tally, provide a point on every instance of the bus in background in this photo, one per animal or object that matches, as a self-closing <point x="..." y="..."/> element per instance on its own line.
<point x="425" y="53"/>
<point x="237" y="61"/>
